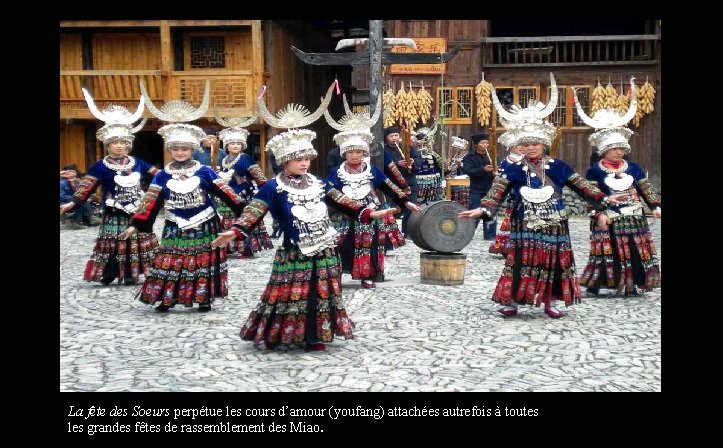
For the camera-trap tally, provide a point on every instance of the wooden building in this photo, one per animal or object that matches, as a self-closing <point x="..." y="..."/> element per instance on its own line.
<point x="175" y="58"/>
<point x="517" y="56"/>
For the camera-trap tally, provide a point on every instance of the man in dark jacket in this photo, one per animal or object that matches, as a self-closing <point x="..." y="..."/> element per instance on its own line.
<point x="394" y="165"/>
<point x="478" y="166"/>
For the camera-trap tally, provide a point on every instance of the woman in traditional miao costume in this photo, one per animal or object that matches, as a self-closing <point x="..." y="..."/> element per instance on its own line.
<point x="429" y="177"/>
<point x="622" y="252"/>
<point x="362" y="246"/>
<point x="540" y="268"/>
<point x="119" y="174"/>
<point x="302" y="303"/>
<point x="240" y="172"/>
<point x="515" y="154"/>
<point x="186" y="269"/>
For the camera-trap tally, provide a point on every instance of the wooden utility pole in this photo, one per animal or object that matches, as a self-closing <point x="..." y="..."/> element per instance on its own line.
<point x="376" y="58"/>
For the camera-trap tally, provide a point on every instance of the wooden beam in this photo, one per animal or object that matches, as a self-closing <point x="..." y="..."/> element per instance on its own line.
<point x="363" y="58"/>
<point x="211" y="22"/>
<point x="576" y="64"/>
<point x="108" y="23"/>
<point x="492" y="40"/>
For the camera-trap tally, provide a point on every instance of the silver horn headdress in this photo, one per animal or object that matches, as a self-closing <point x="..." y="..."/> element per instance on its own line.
<point x="293" y="143"/>
<point x="118" y="121"/>
<point x="177" y="111"/>
<point x="235" y="128"/>
<point x="529" y="123"/>
<point x="354" y="128"/>
<point x="609" y="124"/>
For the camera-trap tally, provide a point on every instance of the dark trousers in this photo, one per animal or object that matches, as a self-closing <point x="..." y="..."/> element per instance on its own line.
<point x="489" y="227"/>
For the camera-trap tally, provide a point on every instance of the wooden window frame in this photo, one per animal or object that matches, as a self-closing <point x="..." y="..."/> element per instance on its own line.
<point x="455" y="118"/>
<point x="569" y="100"/>
<point x="187" y="48"/>
<point x="515" y="100"/>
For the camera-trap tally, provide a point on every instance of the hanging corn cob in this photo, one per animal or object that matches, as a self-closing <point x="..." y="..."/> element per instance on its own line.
<point x="424" y="104"/>
<point x="388" y="104"/>
<point x="400" y="105"/>
<point x="611" y="96"/>
<point x="648" y="98"/>
<point x="484" y="102"/>
<point x="622" y="104"/>
<point x="597" y="99"/>
<point x="639" y="112"/>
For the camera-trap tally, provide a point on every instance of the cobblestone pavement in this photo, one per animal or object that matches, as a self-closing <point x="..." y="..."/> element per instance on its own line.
<point x="408" y="336"/>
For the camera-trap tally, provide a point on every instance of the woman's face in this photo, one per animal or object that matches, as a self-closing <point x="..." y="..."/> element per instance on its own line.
<point x="117" y="148"/>
<point x="298" y="166"/>
<point x="614" y="155"/>
<point x="354" y="156"/>
<point x="181" y="153"/>
<point x="234" y="147"/>
<point x="532" y="150"/>
<point x="519" y="150"/>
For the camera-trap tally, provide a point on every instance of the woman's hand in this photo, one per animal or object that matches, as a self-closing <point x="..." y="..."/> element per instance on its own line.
<point x="470" y="214"/>
<point x="617" y="198"/>
<point x="602" y="221"/>
<point x="127" y="232"/>
<point x="657" y="213"/>
<point x="66" y="207"/>
<point x="223" y="238"/>
<point x="377" y="214"/>
<point x="413" y="207"/>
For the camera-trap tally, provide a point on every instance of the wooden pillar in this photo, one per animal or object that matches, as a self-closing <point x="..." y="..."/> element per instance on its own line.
<point x="166" y="68"/>
<point x="375" y="88"/>
<point x="257" y="76"/>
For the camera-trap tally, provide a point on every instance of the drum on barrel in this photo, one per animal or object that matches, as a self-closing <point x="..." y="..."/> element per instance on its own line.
<point x="438" y="230"/>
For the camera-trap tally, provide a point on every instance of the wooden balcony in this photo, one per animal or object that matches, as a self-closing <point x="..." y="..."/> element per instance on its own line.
<point x="561" y="51"/>
<point x="231" y="91"/>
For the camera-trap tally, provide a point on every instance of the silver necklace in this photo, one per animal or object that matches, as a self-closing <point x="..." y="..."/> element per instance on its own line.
<point x="227" y="163"/>
<point x="119" y="167"/>
<point x="185" y="171"/>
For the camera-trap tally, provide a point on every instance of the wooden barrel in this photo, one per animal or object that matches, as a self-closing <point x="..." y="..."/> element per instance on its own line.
<point x="437" y="227"/>
<point x="442" y="269"/>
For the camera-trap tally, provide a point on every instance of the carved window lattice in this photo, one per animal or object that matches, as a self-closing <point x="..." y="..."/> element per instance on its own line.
<point x="225" y="93"/>
<point x="208" y="52"/>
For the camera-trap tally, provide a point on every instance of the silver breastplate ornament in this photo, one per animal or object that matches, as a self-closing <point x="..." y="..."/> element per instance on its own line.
<point x="311" y="218"/>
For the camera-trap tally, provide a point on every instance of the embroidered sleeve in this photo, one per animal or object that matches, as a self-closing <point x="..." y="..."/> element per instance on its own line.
<point x="148" y="209"/>
<point x="86" y="187"/>
<point x="586" y="189"/>
<point x="257" y="174"/>
<point x="153" y="170"/>
<point x="227" y="195"/>
<point x="650" y="196"/>
<point x="395" y="175"/>
<point x="251" y="216"/>
<point x="392" y="191"/>
<point x="341" y="202"/>
<point x="496" y="193"/>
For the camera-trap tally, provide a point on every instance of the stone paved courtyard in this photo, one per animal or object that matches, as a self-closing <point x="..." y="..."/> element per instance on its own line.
<point x="408" y="336"/>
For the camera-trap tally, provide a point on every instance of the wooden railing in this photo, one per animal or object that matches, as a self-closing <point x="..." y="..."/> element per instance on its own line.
<point x="560" y="51"/>
<point x="231" y="91"/>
